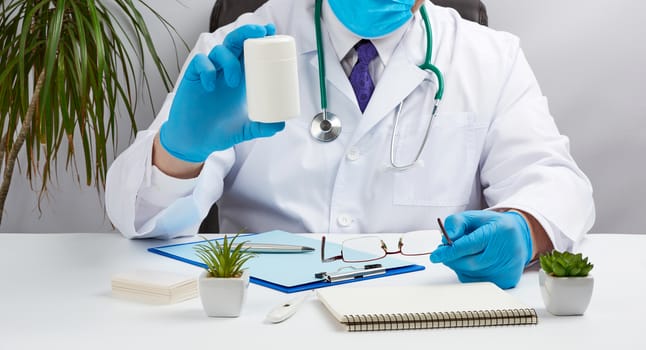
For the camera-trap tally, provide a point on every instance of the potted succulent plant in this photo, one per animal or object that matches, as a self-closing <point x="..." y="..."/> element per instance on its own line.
<point x="223" y="284"/>
<point x="565" y="282"/>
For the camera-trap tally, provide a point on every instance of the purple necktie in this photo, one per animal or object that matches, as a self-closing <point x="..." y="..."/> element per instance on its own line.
<point x="360" y="76"/>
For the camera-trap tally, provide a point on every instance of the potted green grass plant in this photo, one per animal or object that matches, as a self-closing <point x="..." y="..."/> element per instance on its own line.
<point x="565" y="282"/>
<point x="223" y="283"/>
<point x="68" y="68"/>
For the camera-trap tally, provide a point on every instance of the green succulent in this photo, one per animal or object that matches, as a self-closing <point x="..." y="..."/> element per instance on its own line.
<point x="565" y="264"/>
<point x="223" y="259"/>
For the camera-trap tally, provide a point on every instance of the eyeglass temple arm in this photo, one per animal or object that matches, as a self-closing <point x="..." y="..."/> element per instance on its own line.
<point x="330" y="259"/>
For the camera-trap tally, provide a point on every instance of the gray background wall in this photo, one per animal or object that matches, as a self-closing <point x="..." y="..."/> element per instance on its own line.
<point x="589" y="57"/>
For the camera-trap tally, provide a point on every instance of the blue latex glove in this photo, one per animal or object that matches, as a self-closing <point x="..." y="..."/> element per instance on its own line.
<point x="487" y="246"/>
<point x="209" y="111"/>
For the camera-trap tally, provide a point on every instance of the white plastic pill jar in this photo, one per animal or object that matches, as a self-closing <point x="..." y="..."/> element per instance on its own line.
<point x="271" y="73"/>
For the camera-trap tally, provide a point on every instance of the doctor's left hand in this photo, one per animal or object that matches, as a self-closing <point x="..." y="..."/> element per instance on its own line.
<point x="487" y="246"/>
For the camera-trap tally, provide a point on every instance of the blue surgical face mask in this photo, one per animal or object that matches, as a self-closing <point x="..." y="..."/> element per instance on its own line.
<point x="372" y="18"/>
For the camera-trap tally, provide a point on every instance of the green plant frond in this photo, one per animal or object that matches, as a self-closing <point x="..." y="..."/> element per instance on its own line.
<point x="79" y="52"/>
<point x="140" y="27"/>
<point x="8" y="9"/>
<point x="63" y="100"/>
<point x="170" y="30"/>
<point x="91" y="52"/>
<point x="137" y="20"/>
<point x="85" y="143"/>
<point x="121" y="92"/>
<point x="68" y="106"/>
<point x="54" y="30"/>
<point x="127" y="46"/>
<point x="26" y="34"/>
<point x="95" y="30"/>
<point x="223" y="258"/>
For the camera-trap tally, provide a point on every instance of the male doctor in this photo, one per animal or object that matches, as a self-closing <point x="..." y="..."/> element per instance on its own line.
<point x="495" y="165"/>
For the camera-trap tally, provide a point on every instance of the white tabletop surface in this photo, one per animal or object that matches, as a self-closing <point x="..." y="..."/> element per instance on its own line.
<point x="55" y="294"/>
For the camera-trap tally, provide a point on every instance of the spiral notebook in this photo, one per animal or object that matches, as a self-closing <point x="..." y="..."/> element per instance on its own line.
<point x="431" y="306"/>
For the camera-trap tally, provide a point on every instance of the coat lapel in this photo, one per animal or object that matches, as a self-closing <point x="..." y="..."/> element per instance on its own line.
<point x="333" y="70"/>
<point x="399" y="79"/>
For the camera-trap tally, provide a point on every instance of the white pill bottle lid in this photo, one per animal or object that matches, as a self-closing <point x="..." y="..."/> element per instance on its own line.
<point x="271" y="73"/>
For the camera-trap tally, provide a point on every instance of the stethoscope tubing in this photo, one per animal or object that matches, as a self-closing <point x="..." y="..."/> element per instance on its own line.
<point x="322" y="131"/>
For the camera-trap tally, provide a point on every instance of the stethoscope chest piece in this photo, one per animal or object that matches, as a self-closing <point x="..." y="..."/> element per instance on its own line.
<point x="325" y="126"/>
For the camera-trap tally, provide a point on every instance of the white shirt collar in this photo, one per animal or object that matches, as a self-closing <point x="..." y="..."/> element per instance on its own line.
<point x="344" y="40"/>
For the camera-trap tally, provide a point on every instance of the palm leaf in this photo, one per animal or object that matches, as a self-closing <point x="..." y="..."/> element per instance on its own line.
<point x="90" y="52"/>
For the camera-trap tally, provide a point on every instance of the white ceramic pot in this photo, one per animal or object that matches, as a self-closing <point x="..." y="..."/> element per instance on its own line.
<point x="565" y="296"/>
<point x="223" y="297"/>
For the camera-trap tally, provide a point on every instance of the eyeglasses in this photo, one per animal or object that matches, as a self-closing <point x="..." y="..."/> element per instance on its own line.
<point x="369" y="248"/>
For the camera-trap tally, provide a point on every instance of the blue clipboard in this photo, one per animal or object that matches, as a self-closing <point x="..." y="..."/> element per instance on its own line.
<point x="288" y="273"/>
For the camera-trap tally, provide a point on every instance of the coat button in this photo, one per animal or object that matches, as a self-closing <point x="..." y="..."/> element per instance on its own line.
<point x="344" y="220"/>
<point x="353" y="154"/>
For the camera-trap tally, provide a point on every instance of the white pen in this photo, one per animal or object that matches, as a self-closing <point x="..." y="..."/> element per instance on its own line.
<point x="275" y="248"/>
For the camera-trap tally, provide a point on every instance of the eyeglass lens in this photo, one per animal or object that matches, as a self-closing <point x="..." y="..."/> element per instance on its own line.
<point x="363" y="249"/>
<point x="418" y="243"/>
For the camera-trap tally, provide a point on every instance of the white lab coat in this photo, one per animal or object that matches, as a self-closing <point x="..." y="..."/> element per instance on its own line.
<point x="493" y="145"/>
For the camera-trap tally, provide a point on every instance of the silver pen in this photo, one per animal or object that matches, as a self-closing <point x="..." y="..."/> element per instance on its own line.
<point x="276" y="248"/>
<point x="336" y="277"/>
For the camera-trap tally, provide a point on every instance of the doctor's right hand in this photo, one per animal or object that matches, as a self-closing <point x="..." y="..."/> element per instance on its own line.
<point x="487" y="246"/>
<point x="209" y="110"/>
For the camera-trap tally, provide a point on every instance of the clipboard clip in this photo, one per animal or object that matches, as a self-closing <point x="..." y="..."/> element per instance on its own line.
<point x="356" y="272"/>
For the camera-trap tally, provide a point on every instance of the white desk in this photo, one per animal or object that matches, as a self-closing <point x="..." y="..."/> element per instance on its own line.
<point x="55" y="294"/>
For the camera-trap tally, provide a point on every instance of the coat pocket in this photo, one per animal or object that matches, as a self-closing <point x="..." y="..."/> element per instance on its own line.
<point x="446" y="173"/>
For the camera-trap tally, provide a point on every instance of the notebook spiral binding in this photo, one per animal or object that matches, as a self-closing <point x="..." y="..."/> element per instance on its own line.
<point x="380" y="322"/>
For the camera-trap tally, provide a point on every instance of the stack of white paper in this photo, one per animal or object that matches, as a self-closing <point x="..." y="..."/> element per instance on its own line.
<point x="157" y="287"/>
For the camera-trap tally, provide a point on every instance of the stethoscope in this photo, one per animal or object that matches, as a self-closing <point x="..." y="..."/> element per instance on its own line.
<point x="326" y="126"/>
